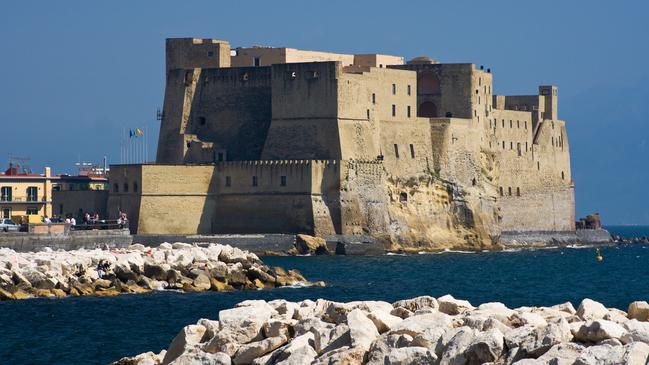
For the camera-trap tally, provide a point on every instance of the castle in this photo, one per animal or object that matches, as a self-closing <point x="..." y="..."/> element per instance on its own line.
<point x="280" y="140"/>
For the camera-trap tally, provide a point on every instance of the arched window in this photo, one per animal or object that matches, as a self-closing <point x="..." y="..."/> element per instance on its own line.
<point x="428" y="83"/>
<point x="135" y="187"/>
<point x="403" y="197"/>
<point x="427" y="109"/>
<point x="116" y="187"/>
<point x="126" y="187"/>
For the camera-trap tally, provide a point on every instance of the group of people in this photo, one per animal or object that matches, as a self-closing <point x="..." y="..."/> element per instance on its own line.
<point x="91" y="218"/>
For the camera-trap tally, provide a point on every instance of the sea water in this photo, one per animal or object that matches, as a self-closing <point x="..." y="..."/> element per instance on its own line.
<point x="92" y="330"/>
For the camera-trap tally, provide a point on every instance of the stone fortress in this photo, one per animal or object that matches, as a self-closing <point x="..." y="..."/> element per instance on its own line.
<point x="414" y="154"/>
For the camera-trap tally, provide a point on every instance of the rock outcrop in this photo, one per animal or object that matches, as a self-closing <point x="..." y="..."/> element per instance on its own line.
<point x="444" y="331"/>
<point x="138" y="269"/>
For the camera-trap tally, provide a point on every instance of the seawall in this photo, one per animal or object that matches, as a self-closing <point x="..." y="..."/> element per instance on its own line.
<point x="75" y="240"/>
<point x="536" y="238"/>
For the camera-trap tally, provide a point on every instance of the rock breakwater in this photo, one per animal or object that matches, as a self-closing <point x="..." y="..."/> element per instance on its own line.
<point x="136" y="269"/>
<point x="422" y="330"/>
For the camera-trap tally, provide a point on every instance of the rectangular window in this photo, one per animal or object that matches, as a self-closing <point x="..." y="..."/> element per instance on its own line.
<point x="32" y="211"/>
<point x="520" y="151"/>
<point x="256" y="61"/>
<point x="501" y="191"/>
<point x="254" y="181"/>
<point x="228" y="181"/>
<point x="368" y="114"/>
<point x="396" y="151"/>
<point x="503" y="123"/>
<point x="525" y="124"/>
<point x="6" y="213"/>
<point x="5" y="193"/>
<point x="412" y="151"/>
<point x="511" y="145"/>
<point x="510" y="191"/>
<point x="210" y="54"/>
<point x="220" y="156"/>
<point x="511" y="124"/>
<point x="32" y="194"/>
<point x="408" y="89"/>
<point x="503" y="145"/>
<point x="408" y="111"/>
<point x="282" y="181"/>
<point x="373" y="98"/>
<point x="394" y="110"/>
<point x="394" y="89"/>
<point x="518" y="191"/>
<point x="526" y="147"/>
<point x="518" y="124"/>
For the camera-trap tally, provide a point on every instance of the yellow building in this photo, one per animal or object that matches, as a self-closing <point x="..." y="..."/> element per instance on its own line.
<point x="24" y="193"/>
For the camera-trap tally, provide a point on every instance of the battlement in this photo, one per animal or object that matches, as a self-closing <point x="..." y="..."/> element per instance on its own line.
<point x="278" y="163"/>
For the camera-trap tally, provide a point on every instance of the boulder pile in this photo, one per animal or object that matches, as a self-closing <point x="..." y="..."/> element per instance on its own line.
<point x="136" y="269"/>
<point x="422" y="330"/>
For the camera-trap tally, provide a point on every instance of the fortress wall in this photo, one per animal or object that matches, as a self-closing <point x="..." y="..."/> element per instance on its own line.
<point x="303" y="205"/>
<point x="304" y="107"/>
<point x="365" y="101"/>
<point x="406" y="147"/>
<point x="232" y="110"/>
<point x="170" y="199"/>
<point x="448" y="86"/>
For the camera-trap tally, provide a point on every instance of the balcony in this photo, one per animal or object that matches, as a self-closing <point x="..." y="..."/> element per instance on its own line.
<point x="23" y="200"/>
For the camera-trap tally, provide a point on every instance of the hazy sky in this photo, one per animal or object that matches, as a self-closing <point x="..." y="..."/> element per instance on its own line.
<point x="76" y="73"/>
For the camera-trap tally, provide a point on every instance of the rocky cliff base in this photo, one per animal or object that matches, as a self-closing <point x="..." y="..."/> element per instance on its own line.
<point x="423" y="330"/>
<point x="136" y="269"/>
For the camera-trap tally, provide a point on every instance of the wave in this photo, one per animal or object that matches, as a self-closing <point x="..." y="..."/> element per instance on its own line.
<point x="396" y="254"/>
<point x="576" y="247"/>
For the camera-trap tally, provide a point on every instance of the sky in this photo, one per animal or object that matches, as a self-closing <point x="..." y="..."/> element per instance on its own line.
<point x="76" y="74"/>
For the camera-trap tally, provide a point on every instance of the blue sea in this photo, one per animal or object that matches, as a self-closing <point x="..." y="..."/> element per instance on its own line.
<point x="100" y="330"/>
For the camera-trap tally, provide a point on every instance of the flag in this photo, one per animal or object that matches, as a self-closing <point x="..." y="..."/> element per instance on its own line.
<point x="139" y="132"/>
<point x="130" y="133"/>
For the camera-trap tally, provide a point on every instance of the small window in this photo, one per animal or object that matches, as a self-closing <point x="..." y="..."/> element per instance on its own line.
<point x="473" y="182"/>
<point x="220" y="156"/>
<point x="518" y="191"/>
<point x="135" y="187"/>
<point x="403" y="197"/>
<point x="282" y="181"/>
<point x="256" y="61"/>
<point x="394" y="89"/>
<point x="313" y="74"/>
<point x="126" y="187"/>
<point x="501" y="191"/>
<point x="368" y="114"/>
<point x="254" y="181"/>
<point x="563" y="176"/>
<point x="202" y="121"/>
<point x="228" y="181"/>
<point x="503" y="123"/>
<point x="408" y="111"/>
<point x="396" y="151"/>
<point x="116" y="188"/>
<point x="525" y="124"/>
<point x="510" y="191"/>
<point x="32" y="211"/>
<point x="511" y="124"/>
<point x="412" y="151"/>
<point x="526" y="147"/>
<point x="518" y="124"/>
<point x="511" y="145"/>
<point x="292" y="75"/>
<point x="519" y="149"/>
<point x="408" y="89"/>
<point x="210" y="54"/>
<point x="538" y="165"/>
<point x="373" y="98"/>
<point x="503" y="145"/>
<point x="394" y="110"/>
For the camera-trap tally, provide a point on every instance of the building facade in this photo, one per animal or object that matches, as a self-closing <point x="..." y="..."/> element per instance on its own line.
<point x="25" y="194"/>
<point x="282" y="140"/>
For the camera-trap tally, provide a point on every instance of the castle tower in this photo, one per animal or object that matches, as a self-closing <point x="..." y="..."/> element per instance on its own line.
<point x="186" y="53"/>
<point x="551" y="95"/>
